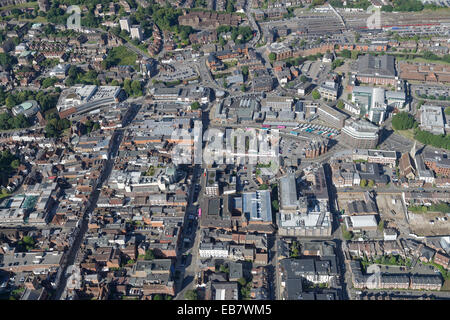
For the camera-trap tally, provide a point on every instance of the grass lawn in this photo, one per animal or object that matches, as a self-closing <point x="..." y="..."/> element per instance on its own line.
<point x="409" y="134"/>
<point x="122" y="56"/>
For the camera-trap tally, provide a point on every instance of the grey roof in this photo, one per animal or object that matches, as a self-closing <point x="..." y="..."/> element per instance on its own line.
<point x="235" y="270"/>
<point x="288" y="191"/>
<point x="257" y="205"/>
<point x="381" y="65"/>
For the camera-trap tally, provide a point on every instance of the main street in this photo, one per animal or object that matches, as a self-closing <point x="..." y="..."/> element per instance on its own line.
<point x="71" y="255"/>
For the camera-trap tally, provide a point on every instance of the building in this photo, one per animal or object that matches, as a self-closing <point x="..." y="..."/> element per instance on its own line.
<point x="223" y="291"/>
<point x="361" y="222"/>
<point x="38" y="262"/>
<point x="136" y="32"/>
<point x="384" y="157"/>
<point x="208" y="20"/>
<point x="396" y="99"/>
<point x="406" y="166"/>
<point x="125" y="24"/>
<point x="212" y="184"/>
<point x="236" y="77"/>
<point x="331" y="115"/>
<point x="371" y="103"/>
<point x="437" y="161"/>
<point x="300" y="216"/>
<point x="257" y="206"/>
<point x="28" y="108"/>
<point x="153" y="276"/>
<point x="329" y="90"/>
<point x="425" y="282"/>
<point x="84" y="98"/>
<point x="277" y="104"/>
<point x="377" y="70"/>
<point x="442" y="259"/>
<point x="432" y="120"/>
<point x="209" y="250"/>
<point x="360" y="134"/>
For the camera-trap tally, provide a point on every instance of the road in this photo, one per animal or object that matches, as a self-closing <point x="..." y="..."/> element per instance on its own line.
<point x="253" y="24"/>
<point x="188" y="274"/>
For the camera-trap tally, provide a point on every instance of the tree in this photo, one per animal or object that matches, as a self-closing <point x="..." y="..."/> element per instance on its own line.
<point x="243" y="88"/>
<point x="136" y="88"/>
<point x="272" y="56"/>
<point x="303" y="78"/>
<point x="447" y="111"/>
<point x="363" y="183"/>
<point x="402" y="121"/>
<point x="370" y="183"/>
<point x="195" y="105"/>
<point x="340" y="104"/>
<point x="315" y="94"/>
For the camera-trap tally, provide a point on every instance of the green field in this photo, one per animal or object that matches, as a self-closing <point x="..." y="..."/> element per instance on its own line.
<point x="122" y="56"/>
